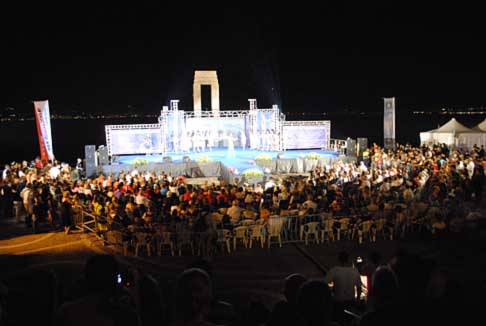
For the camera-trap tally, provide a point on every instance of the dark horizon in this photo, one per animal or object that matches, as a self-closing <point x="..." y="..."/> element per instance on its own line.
<point x="305" y="59"/>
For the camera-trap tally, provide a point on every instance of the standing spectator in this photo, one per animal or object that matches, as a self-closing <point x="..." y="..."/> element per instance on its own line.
<point x="27" y="195"/>
<point x="66" y="212"/>
<point x="346" y="281"/>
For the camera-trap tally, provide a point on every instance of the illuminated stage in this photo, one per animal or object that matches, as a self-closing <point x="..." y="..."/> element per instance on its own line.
<point x="223" y="143"/>
<point x="244" y="159"/>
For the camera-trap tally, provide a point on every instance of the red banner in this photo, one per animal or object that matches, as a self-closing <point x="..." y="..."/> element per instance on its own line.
<point x="43" y="123"/>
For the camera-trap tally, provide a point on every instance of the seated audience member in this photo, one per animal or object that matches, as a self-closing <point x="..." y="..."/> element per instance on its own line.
<point x="315" y="304"/>
<point x="382" y="303"/>
<point x="102" y="305"/>
<point x="285" y="312"/>
<point x="193" y="298"/>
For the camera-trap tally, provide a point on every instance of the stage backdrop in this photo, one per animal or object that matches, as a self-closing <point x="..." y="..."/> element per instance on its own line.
<point x="306" y="134"/>
<point x="219" y="128"/>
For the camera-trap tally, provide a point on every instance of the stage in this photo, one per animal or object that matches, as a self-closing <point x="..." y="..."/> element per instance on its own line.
<point x="251" y="143"/>
<point x="242" y="160"/>
<point x="216" y="163"/>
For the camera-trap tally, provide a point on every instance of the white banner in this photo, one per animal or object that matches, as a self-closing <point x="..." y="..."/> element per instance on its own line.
<point x="389" y="122"/>
<point x="43" y="122"/>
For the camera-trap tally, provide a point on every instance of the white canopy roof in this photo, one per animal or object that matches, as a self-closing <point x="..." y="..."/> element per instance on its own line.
<point x="453" y="126"/>
<point x="454" y="133"/>
<point x="481" y="126"/>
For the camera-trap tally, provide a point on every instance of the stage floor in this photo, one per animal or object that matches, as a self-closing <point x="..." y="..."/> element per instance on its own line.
<point x="242" y="160"/>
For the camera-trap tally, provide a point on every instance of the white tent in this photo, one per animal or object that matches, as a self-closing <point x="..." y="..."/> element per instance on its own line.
<point x="454" y="133"/>
<point x="481" y="126"/>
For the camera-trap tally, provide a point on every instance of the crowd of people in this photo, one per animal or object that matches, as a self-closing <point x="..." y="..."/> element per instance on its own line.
<point x="434" y="188"/>
<point x="409" y="187"/>
<point x="405" y="290"/>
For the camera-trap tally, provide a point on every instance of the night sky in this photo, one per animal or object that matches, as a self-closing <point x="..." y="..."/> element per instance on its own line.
<point x="306" y="58"/>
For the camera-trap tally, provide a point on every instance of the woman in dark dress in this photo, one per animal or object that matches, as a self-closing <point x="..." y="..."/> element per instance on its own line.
<point x="66" y="212"/>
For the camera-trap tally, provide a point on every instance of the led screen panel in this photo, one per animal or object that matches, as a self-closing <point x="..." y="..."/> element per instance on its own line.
<point x="135" y="141"/>
<point x="305" y="136"/>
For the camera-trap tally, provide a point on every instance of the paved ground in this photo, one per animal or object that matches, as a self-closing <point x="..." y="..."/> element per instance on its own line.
<point x="245" y="274"/>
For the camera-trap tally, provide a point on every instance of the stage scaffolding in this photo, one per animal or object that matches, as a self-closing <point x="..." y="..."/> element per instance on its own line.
<point x="261" y="129"/>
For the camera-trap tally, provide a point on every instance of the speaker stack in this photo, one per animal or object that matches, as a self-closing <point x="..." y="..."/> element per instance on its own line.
<point x="103" y="155"/>
<point x="362" y="146"/>
<point x="90" y="158"/>
<point x="351" y="147"/>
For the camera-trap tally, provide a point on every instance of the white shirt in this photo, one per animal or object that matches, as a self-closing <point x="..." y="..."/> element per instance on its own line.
<point x="345" y="280"/>
<point x="54" y="172"/>
<point x="269" y="184"/>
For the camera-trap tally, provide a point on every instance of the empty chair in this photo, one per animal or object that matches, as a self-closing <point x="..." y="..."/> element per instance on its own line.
<point x="257" y="233"/>
<point x="240" y="233"/>
<point x="364" y="229"/>
<point x="310" y="229"/>
<point x="164" y="239"/>
<point x="143" y="239"/>
<point x="274" y="228"/>
<point x="224" y="239"/>
<point x="343" y="227"/>
<point x="378" y="229"/>
<point x="116" y="238"/>
<point x="327" y="231"/>
<point x="184" y="240"/>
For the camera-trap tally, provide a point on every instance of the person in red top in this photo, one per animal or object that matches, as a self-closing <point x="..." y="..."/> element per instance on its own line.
<point x="187" y="196"/>
<point x="223" y="197"/>
<point x="38" y="163"/>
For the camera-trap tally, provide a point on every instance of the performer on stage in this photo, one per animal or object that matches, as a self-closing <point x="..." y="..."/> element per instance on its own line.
<point x="231" y="146"/>
<point x="194" y="141"/>
<point x="243" y="140"/>
<point x="146" y="146"/>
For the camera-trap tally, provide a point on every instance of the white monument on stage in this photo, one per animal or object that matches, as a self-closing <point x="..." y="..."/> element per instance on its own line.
<point x="206" y="77"/>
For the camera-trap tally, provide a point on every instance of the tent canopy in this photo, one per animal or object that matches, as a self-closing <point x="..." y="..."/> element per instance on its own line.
<point x="454" y="133"/>
<point x="481" y="126"/>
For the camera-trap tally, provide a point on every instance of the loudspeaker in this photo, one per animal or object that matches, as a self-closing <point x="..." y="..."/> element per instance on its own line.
<point x="103" y="155"/>
<point x="362" y="146"/>
<point x="351" y="147"/>
<point x="90" y="158"/>
<point x="186" y="159"/>
<point x="167" y="159"/>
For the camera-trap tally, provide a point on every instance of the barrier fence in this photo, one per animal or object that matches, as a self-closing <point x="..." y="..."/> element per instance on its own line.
<point x="278" y="229"/>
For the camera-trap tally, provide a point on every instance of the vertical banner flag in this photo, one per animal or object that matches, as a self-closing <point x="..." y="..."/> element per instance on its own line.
<point x="43" y="122"/>
<point x="389" y="123"/>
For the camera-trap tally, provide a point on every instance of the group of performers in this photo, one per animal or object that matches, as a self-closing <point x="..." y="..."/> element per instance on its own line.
<point x="198" y="141"/>
<point x="205" y="140"/>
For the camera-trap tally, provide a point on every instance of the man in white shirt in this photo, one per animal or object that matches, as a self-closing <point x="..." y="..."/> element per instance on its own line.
<point x="234" y="212"/>
<point x="346" y="283"/>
